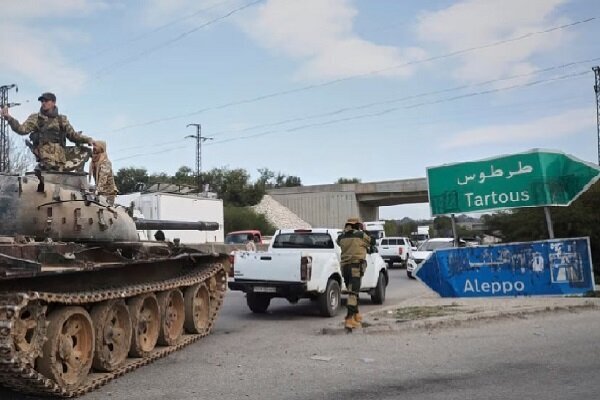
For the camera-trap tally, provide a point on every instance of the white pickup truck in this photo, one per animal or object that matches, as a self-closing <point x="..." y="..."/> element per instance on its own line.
<point x="302" y="263"/>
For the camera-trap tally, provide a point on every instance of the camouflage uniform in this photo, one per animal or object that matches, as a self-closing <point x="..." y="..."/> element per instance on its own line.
<point x="105" y="185"/>
<point x="354" y="244"/>
<point x="101" y="170"/>
<point x="48" y="133"/>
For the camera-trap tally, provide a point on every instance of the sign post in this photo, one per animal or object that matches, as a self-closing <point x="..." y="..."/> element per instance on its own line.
<point x="549" y="222"/>
<point x="536" y="178"/>
<point x="547" y="267"/>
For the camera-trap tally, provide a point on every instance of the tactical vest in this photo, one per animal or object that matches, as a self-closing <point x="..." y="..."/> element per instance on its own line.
<point x="50" y="130"/>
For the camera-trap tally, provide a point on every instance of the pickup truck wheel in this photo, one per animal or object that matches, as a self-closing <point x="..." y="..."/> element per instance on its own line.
<point x="258" y="303"/>
<point x="378" y="296"/>
<point x="329" y="302"/>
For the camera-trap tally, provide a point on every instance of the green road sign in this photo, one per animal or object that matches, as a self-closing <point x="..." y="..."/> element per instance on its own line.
<point x="531" y="179"/>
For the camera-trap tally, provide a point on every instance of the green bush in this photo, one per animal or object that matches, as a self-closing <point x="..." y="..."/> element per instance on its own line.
<point x="244" y="218"/>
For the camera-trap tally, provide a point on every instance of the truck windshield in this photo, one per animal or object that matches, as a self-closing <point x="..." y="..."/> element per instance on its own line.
<point x="238" y="238"/>
<point x="304" y="240"/>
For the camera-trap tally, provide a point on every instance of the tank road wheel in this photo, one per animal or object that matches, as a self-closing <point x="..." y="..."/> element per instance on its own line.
<point x="145" y="322"/>
<point x="29" y="332"/>
<point x="221" y="278"/>
<point x="68" y="353"/>
<point x="112" y="326"/>
<point x="197" y="308"/>
<point x="172" y="316"/>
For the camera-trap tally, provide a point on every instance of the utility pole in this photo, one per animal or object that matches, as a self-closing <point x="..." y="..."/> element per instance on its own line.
<point x="596" y="70"/>
<point x="4" y="138"/>
<point x="199" y="139"/>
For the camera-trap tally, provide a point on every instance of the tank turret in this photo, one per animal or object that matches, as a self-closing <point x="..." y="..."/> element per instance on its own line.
<point x="61" y="207"/>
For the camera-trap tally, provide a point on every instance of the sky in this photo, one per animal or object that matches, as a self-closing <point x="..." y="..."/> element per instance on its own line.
<point x="321" y="89"/>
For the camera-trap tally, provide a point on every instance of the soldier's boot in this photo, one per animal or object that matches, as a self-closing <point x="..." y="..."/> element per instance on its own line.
<point x="350" y="323"/>
<point x="358" y="318"/>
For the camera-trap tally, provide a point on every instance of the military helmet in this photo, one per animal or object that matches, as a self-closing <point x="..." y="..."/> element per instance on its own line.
<point x="353" y="221"/>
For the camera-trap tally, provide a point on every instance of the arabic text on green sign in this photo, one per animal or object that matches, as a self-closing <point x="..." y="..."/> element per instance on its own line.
<point x="531" y="179"/>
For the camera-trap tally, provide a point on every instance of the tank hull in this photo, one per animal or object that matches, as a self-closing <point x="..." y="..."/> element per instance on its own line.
<point x="34" y="295"/>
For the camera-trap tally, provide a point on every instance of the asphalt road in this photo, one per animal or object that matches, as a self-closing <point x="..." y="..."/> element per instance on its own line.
<point x="283" y="355"/>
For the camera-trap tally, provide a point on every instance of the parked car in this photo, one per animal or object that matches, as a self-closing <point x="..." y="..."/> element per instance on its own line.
<point x="395" y="249"/>
<point x="425" y="250"/>
<point x="302" y="263"/>
<point x="242" y="237"/>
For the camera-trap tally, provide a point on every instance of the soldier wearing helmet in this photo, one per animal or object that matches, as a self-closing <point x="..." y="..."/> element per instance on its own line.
<point x="48" y="132"/>
<point x="354" y="244"/>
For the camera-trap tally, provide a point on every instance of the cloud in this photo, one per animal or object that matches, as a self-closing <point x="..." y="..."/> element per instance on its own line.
<point x="320" y="33"/>
<point x="33" y="50"/>
<point x="31" y="54"/>
<point x="160" y="12"/>
<point x="471" y="23"/>
<point x="30" y="9"/>
<point x="562" y="125"/>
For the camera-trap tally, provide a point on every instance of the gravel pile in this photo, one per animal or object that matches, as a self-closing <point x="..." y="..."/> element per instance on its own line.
<point x="278" y="215"/>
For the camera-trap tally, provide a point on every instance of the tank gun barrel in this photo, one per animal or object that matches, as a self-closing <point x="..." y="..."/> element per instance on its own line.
<point x="166" y="225"/>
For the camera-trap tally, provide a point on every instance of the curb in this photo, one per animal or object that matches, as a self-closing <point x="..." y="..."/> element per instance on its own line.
<point x="383" y="325"/>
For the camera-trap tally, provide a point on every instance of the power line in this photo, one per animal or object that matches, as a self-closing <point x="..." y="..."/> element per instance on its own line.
<point x="394" y="109"/>
<point x="372" y="115"/>
<point x="148" y="33"/>
<point x="130" y="59"/>
<point x="162" y="151"/>
<point x="520" y="105"/>
<point x="369" y="105"/>
<point x="150" y="145"/>
<point x="419" y="123"/>
<point x="403" y="98"/>
<point x="350" y="77"/>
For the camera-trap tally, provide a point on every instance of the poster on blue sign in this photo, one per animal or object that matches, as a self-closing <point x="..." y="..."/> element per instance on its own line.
<point x="547" y="267"/>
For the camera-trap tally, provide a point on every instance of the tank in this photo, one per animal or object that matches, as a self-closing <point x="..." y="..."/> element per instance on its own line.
<point x="82" y="299"/>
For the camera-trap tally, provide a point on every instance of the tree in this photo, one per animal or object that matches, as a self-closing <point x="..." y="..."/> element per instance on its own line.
<point x="244" y="218"/>
<point x="581" y="218"/>
<point x="292" y="181"/>
<point x="407" y="228"/>
<point x="129" y="179"/>
<point x="347" y="180"/>
<point x="442" y="226"/>
<point x="21" y="158"/>
<point x="390" y="228"/>
<point x="184" y="176"/>
<point x="270" y="180"/>
<point x="234" y="186"/>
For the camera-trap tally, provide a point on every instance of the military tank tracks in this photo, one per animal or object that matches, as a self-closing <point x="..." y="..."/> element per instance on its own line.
<point x="66" y="344"/>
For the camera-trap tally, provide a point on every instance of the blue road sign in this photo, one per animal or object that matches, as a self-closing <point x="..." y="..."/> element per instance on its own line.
<point x="548" y="267"/>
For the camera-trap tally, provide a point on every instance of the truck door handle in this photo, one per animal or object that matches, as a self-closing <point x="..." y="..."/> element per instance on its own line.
<point x="266" y="258"/>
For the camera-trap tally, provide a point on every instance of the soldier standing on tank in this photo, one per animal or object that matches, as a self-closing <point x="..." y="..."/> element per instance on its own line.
<point x="354" y="244"/>
<point x="101" y="170"/>
<point x="48" y="132"/>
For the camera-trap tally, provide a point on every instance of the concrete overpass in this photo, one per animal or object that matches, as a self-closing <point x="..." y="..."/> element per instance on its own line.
<point x="331" y="205"/>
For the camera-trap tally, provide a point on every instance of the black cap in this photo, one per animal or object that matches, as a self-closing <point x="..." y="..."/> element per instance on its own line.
<point x="47" y="96"/>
